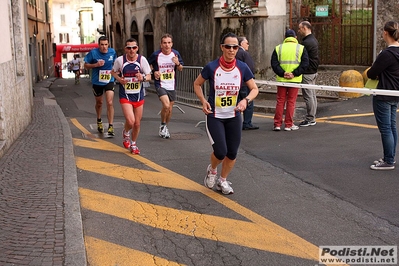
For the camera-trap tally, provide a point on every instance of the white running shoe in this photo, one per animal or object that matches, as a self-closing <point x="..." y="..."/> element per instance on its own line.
<point x="164" y="132"/>
<point x="224" y="186"/>
<point x="210" y="177"/>
<point x="167" y="135"/>
<point x="293" y="127"/>
<point x="161" y="131"/>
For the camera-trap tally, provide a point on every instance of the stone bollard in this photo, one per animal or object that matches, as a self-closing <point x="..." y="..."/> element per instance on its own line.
<point x="351" y="78"/>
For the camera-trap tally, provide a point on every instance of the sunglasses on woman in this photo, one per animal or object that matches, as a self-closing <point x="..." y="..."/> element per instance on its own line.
<point x="228" y="46"/>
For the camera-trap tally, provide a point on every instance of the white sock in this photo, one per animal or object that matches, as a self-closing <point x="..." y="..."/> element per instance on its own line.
<point x="214" y="171"/>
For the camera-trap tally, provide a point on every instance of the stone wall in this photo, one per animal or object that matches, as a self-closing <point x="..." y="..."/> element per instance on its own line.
<point x="198" y="25"/>
<point x="386" y="10"/>
<point x="16" y="97"/>
<point x="198" y="28"/>
<point x="191" y="25"/>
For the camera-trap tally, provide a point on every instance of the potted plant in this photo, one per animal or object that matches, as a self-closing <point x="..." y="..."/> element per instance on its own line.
<point x="239" y="8"/>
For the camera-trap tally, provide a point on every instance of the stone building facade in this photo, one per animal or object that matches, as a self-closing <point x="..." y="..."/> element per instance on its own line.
<point x="40" y="38"/>
<point x="16" y="97"/>
<point x="197" y="26"/>
<point x="386" y="10"/>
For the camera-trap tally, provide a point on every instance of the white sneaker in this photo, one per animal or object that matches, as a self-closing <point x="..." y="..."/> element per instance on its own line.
<point x="210" y="177"/>
<point x="382" y="166"/>
<point x="161" y="133"/>
<point x="224" y="186"/>
<point x="380" y="161"/>
<point x="164" y="132"/>
<point x="293" y="127"/>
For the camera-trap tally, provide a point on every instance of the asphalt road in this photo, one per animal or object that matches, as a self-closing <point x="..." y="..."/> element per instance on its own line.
<point x="294" y="191"/>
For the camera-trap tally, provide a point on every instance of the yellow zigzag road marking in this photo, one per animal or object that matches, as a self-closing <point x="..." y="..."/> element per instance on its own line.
<point x="154" y="178"/>
<point x="346" y="116"/>
<point x="99" y="144"/>
<point x="276" y="238"/>
<point x="327" y="117"/>
<point x="346" y="123"/>
<point x="264" y="116"/>
<point x="327" y="120"/>
<point x="100" y="255"/>
<point x="80" y="127"/>
<point x="188" y="223"/>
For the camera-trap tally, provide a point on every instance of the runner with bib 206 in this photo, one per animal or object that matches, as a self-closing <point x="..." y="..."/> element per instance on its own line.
<point x="130" y="71"/>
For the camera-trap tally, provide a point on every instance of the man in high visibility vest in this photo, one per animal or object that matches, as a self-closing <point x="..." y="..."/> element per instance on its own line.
<point x="289" y="60"/>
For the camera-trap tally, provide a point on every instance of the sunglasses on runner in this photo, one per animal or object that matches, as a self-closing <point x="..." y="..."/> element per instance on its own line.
<point x="228" y="46"/>
<point x="131" y="47"/>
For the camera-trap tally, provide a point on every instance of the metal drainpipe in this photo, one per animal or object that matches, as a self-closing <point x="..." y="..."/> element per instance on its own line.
<point x="124" y="20"/>
<point x="375" y="30"/>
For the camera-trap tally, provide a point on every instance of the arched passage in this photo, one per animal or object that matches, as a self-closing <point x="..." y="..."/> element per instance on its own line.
<point x="148" y="39"/>
<point x="119" y="43"/>
<point x="134" y="31"/>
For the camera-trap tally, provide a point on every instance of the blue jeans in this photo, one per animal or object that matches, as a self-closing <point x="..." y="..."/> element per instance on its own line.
<point x="385" y="116"/>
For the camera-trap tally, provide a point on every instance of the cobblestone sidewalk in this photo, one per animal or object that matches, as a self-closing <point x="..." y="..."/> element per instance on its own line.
<point x="40" y="222"/>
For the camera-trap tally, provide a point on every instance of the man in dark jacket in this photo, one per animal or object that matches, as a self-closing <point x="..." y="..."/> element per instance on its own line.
<point x="310" y="74"/>
<point x="243" y="55"/>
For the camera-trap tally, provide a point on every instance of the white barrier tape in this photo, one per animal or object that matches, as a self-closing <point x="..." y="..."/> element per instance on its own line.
<point x="330" y="88"/>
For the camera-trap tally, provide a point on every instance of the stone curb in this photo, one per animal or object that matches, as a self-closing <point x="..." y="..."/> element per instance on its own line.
<point x="75" y="252"/>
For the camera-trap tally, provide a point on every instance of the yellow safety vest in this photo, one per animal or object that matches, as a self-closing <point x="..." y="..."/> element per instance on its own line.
<point x="289" y="54"/>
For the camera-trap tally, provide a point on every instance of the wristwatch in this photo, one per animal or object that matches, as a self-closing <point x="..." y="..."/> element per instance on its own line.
<point x="144" y="78"/>
<point x="248" y="101"/>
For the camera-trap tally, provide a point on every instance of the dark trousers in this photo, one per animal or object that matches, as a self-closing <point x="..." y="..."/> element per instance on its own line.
<point x="248" y="113"/>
